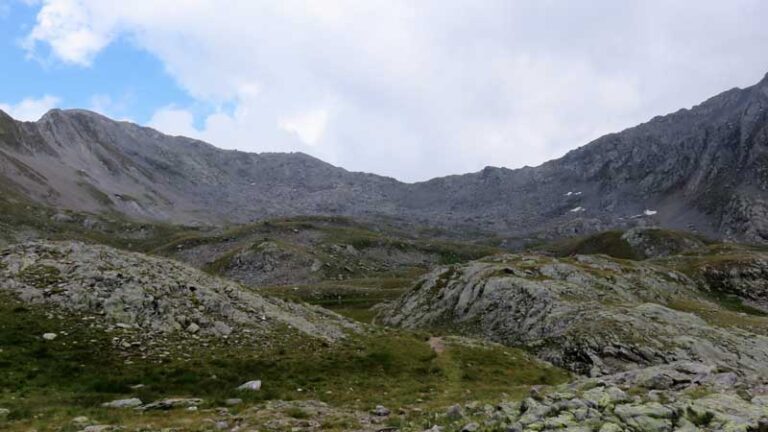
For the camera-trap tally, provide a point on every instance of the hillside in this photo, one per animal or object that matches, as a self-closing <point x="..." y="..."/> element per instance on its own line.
<point x="702" y="169"/>
<point x="676" y="339"/>
<point x="166" y="346"/>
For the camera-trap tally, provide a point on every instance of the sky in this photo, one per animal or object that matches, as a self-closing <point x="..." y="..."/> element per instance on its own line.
<point x="411" y="89"/>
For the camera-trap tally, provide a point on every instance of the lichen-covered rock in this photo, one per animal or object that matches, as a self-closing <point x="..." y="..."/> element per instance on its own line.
<point x="623" y="403"/>
<point x="123" y="403"/>
<point x="155" y="295"/>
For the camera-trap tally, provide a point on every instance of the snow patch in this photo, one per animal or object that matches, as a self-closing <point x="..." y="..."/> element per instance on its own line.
<point x="650" y="212"/>
<point x="578" y="209"/>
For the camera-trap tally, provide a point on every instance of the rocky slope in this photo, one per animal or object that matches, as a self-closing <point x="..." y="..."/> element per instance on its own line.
<point x="677" y="397"/>
<point x="155" y="297"/>
<point x="701" y="169"/>
<point x="597" y="315"/>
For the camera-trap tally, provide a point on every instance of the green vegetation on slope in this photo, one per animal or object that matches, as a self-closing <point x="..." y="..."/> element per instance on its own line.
<point x="608" y="243"/>
<point x="613" y="244"/>
<point x="46" y="383"/>
<point x="22" y="219"/>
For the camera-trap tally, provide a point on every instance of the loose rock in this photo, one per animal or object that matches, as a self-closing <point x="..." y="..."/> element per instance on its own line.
<point x="123" y="403"/>
<point x="254" y="385"/>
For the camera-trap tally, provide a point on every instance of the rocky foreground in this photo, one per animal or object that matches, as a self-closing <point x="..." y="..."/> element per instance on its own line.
<point x="678" y="342"/>
<point x="679" y="397"/>
<point x="682" y="396"/>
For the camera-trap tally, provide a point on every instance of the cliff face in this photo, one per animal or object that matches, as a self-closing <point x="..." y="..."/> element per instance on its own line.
<point x="703" y="169"/>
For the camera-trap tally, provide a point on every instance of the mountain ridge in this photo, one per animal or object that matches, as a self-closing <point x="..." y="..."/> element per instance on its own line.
<point x="702" y="169"/>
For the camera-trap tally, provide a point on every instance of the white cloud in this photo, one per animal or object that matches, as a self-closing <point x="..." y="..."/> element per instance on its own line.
<point x="174" y="121"/>
<point x="308" y="126"/>
<point x="30" y="109"/>
<point x="74" y="33"/>
<point x="116" y="107"/>
<point x="418" y="89"/>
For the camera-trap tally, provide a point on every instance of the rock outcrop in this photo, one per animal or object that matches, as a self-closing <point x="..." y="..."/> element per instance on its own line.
<point x="152" y="295"/>
<point x="593" y="315"/>
<point x="676" y="397"/>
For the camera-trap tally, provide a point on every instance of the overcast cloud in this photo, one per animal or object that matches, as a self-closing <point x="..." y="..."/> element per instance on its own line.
<point x="420" y="88"/>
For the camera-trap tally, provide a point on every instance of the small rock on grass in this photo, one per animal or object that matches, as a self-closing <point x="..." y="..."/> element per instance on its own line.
<point x="380" y="411"/>
<point x="81" y="420"/>
<point x="101" y="428"/>
<point x="123" y="403"/>
<point x="167" y="404"/>
<point x="251" y="385"/>
<point x="455" y="412"/>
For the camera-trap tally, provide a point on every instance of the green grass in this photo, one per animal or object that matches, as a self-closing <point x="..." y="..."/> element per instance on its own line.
<point x="609" y="243"/>
<point x="724" y="313"/>
<point x="96" y="193"/>
<point x="715" y="289"/>
<point x="363" y="314"/>
<point x="735" y="303"/>
<point x="44" y="382"/>
<point x="351" y="298"/>
<point x="40" y="276"/>
<point x="297" y="413"/>
<point x="19" y="215"/>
